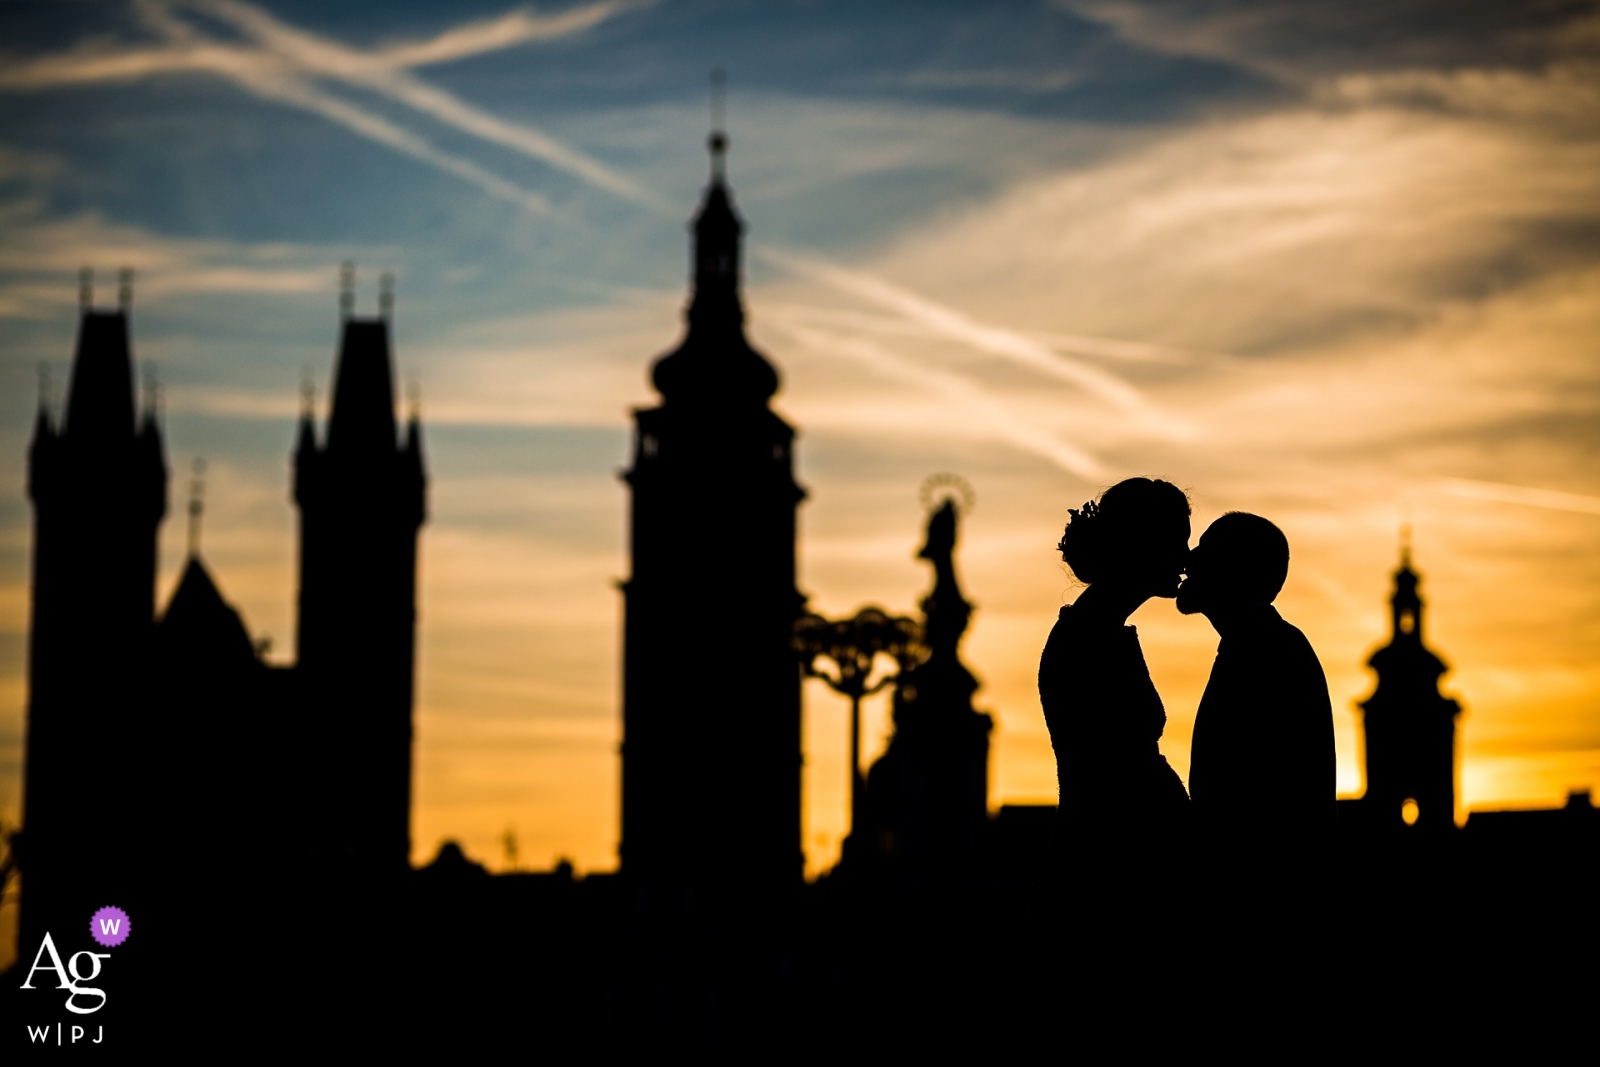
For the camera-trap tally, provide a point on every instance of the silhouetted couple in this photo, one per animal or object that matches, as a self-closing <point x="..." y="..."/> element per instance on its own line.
<point x="1248" y="833"/>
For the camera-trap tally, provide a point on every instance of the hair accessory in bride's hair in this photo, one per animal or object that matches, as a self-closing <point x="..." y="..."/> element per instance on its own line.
<point x="1078" y="517"/>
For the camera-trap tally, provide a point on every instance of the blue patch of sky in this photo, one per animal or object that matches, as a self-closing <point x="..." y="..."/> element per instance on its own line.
<point x="535" y="451"/>
<point x="188" y="154"/>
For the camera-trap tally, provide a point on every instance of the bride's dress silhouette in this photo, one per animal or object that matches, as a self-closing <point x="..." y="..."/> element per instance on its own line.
<point x="1119" y="799"/>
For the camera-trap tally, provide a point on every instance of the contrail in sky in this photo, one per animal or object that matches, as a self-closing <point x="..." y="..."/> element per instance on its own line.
<point x="958" y="326"/>
<point x="505" y="31"/>
<point x="276" y="72"/>
<point x="287" y="59"/>
<point x="1521" y="494"/>
<point x="973" y="400"/>
<point x="321" y="57"/>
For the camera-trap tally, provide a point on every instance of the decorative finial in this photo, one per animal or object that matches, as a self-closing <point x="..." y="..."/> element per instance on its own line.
<point x="308" y="394"/>
<point x="85" y="288"/>
<point x="347" y="288"/>
<point x="125" y="290"/>
<point x="718" y="141"/>
<point x="1405" y="546"/>
<point x="197" y="488"/>
<point x="44" y="387"/>
<point x="938" y="488"/>
<point x="386" y="294"/>
<point x="414" y="400"/>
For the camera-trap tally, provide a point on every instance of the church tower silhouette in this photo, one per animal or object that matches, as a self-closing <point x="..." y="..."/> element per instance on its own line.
<point x="711" y="686"/>
<point x="1409" y="726"/>
<point x="98" y="483"/>
<point x="362" y="495"/>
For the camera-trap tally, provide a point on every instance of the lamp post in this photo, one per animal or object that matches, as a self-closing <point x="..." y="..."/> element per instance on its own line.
<point x="853" y="645"/>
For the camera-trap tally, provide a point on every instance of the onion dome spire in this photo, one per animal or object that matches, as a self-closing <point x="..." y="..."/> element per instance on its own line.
<point x="715" y="363"/>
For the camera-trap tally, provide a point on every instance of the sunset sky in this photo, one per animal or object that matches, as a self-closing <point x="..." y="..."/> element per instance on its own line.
<point x="1335" y="264"/>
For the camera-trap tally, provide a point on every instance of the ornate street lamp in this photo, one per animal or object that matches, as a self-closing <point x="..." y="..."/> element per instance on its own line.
<point x="854" y="645"/>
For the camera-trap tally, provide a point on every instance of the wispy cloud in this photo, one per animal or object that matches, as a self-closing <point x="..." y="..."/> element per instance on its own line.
<point x="974" y="404"/>
<point x="1075" y="343"/>
<point x="287" y="63"/>
<point x="505" y="31"/>
<point x="188" y="52"/>
<point x="998" y="78"/>
<point x="1129" y="351"/>
<point x="271" y="83"/>
<point x="1521" y="494"/>
<point x="1295" y="43"/>
<point x="37" y="253"/>
<point x="321" y="57"/>
<point x="994" y="340"/>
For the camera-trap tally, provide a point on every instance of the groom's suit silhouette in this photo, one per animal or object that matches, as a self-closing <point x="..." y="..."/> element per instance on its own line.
<point x="1261" y="770"/>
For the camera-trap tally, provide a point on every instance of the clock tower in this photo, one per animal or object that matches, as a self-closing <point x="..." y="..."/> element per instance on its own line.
<point x="711" y="686"/>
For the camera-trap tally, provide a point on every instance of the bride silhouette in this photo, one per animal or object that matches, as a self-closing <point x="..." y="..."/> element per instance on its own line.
<point x="1120" y="802"/>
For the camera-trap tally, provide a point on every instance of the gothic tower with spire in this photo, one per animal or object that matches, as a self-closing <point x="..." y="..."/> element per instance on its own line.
<point x="1409" y="726"/>
<point x="711" y="686"/>
<point x="98" y="483"/>
<point x="362" y="495"/>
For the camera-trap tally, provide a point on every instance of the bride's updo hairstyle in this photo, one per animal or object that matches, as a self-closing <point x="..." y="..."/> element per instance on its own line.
<point x="1129" y="520"/>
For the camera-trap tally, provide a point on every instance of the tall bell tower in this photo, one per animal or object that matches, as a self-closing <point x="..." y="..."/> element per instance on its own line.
<point x="98" y="483"/>
<point x="1409" y="726"/>
<point x="362" y="494"/>
<point x="711" y="687"/>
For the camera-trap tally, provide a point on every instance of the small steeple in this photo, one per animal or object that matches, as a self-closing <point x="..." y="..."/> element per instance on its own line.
<point x="1408" y="724"/>
<point x="717" y="228"/>
<point x="1406" y="604"/>
<point x="85" y="288"/>
<point x="717" y="140"/>
<point x="125" y="290"/>
<point x="386" y="295"/>
<point x="715" y="363"/>
<point x="197" y="489"/>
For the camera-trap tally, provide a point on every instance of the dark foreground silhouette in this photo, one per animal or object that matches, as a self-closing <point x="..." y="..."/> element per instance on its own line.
<point x="252" y="819"/>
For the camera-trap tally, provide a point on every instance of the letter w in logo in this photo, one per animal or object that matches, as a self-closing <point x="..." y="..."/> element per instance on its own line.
<point x="109" y="927"/>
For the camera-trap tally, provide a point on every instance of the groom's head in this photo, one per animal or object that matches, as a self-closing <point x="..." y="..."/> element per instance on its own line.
<point x="1241" y="561"/>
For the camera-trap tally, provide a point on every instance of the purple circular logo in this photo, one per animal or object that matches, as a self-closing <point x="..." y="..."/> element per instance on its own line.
<point x="109" y="926"/>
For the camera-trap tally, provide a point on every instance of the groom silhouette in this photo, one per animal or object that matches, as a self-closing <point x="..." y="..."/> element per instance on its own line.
<point x="1261" y="767"/>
